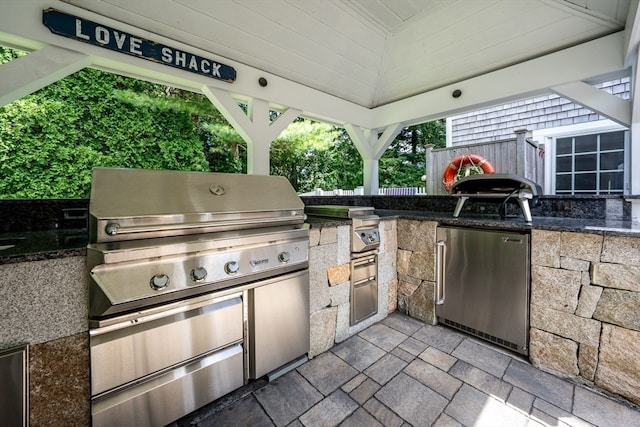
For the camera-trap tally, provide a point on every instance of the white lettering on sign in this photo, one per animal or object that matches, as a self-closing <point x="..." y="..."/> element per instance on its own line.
<point x="181" y="59"/>
<point x="102" y="35"/>
<point x="134" y="45"/>
<point x="166" y="55"/>
<point x="187" y="60"/>
<point x="120" y="39"/>
<point x="193" y="63"/>
<point x="216" y="70"/>
<point x="125" y="42"/>
<point x="79" y="30"/>
<point x="204" y="66"/>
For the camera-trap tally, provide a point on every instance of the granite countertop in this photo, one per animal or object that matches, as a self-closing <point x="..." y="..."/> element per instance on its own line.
<point x="48" y="244"/>
<point x="39" y="245"/>
<point x="596" y="226"/>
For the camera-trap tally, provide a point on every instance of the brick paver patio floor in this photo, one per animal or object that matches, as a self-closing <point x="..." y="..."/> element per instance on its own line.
<point x="402" y="372"/>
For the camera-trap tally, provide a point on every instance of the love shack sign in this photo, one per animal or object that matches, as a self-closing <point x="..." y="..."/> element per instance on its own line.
<point x="90" y="32"/>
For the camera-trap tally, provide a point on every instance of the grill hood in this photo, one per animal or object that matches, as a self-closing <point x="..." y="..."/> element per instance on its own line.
<point x="129" y="204"/>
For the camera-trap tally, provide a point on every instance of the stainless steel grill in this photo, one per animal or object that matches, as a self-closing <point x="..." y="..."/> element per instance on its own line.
<point x="186" y="269"/>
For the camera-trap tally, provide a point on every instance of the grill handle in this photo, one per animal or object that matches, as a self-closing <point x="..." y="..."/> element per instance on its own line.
<point x="441" y="253"/>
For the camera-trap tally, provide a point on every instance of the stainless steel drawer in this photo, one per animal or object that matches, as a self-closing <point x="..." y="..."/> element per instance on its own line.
<point x="364" y="300"/>
<point x="363" y="269"/>
<point x="124" y="354"/>
<point x="167" y="397"/>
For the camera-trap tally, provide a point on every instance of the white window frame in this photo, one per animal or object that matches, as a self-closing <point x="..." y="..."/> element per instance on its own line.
<point x="548" y="138"/>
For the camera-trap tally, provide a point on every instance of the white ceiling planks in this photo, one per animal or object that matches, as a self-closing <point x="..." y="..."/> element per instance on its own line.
<point x="373" y="52"/>
<point x="488" y="35"/>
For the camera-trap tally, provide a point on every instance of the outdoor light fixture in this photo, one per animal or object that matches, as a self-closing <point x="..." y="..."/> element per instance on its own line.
<point x="456" y="93"/>
<point x="262" y="82"/>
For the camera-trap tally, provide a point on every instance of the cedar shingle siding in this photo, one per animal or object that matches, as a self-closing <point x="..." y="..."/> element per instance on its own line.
<point x="549" y="111"/>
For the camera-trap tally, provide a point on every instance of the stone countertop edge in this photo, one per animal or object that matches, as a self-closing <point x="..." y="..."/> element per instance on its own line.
<point x="591" y="226"/>
<point x="41" y="256"/>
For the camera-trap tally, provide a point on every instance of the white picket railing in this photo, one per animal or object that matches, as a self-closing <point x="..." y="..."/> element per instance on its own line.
<point x="402" y="191"/>
<point x="359" y="191"/>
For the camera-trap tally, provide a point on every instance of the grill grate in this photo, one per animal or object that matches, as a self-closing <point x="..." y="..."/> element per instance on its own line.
<point x="496" y="340"/>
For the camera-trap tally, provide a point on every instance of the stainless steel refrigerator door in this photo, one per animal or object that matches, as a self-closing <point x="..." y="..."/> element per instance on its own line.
<point x="484" y="284"/>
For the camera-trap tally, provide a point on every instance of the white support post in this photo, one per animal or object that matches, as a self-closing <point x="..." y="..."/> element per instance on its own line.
<point x="25" y="75"/>
<point x="254" y="126"/>
<point x="371" y="148"/>
<point x="634" y="145"/>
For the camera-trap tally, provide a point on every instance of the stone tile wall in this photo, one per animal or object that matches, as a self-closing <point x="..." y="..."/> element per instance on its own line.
<point x="416" y="269"/>
<point x="585" y="308"/>
<point x="330" y="285"/>
<point x="44" y="304"/>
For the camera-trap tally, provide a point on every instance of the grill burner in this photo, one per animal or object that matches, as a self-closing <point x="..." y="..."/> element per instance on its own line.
<point x="499" y="186"/>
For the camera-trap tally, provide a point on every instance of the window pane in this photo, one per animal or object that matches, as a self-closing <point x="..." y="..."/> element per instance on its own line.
<point x="585" y="181"/>
<point x="611" y="181"/>
<point x="563" y="182"/>
<point x="563" y="146"/>
<point x="586" y="143"/>
<point x="612" y="161"/>
<point x="612" y="141"/>
<point x="586" y="162"/>
<point x="563" y="164"/>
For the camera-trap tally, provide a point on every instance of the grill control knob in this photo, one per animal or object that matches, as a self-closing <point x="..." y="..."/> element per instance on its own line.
<point x="112" y="228"/>
<point x="284" y="257"/>
<point x="159" y="281"/>
<point x="198" y="274"/>
<point x="231" y="267"/>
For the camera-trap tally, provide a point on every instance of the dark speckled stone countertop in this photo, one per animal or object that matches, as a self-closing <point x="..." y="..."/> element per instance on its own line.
<point x="596" y="226"/>
<point x="42" y="244"/>
<point x="581" y="225"/>
<point x="46" y="229"/>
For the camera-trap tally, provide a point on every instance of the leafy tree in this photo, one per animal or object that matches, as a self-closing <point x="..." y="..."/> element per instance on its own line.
<point x="225" y="149"/>
<point x="50" y="140"/>
<point x="295" y="153"/>
<point x="403" y="164"/>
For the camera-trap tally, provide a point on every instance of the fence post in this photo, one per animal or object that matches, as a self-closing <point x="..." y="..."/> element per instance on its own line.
<point x="521" y="148"/>
<point x="429" y="173"/>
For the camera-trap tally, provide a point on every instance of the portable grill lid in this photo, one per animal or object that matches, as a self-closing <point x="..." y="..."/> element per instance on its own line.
<point x="498" y="186"/>
<point x="495" y="184"/>
<point x="138" y="203"/>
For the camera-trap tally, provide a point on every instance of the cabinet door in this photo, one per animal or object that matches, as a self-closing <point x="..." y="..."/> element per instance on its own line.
<point x="364" y="300"/>
<point x="278" y="323"/>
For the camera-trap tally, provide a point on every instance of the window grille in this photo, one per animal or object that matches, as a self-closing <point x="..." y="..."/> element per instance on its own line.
<point x="590" y="164"/>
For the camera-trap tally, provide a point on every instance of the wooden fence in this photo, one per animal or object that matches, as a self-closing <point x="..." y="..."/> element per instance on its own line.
<point x="519" y="156"/>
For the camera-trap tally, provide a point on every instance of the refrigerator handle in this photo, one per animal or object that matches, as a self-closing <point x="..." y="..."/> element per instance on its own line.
<point x="441" y="252"/>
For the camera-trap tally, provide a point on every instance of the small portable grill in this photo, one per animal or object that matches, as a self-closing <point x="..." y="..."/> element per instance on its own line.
<point x="198" y="282"/>
<point x="498" y="187"/>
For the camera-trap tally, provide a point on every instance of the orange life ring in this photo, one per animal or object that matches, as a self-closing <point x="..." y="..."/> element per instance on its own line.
<point x="449" y="176"/>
